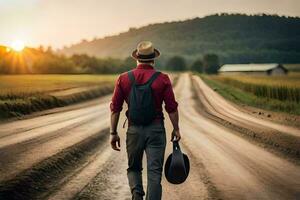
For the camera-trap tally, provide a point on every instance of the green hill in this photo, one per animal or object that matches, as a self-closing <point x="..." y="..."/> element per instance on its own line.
<point x="236" y="38"/>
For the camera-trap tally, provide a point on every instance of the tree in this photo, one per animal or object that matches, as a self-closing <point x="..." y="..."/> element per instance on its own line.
<point x="49" y="50"/>
<point x="211" y="63"/>
<point x="86" y="63"/>
<point x="128" y="64"/>
<point x="41" y="48"/>
<point x="176" y="63"/>
<point x="197" y="66"/>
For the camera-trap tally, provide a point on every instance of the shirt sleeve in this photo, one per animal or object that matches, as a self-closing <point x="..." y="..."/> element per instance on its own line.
<point x="168" y="96"/>
<point x="117" y="100"/>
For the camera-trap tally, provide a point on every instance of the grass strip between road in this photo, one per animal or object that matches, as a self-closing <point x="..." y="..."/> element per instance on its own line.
<point x="39" y="102"/>
<point x="286" y="146"/>
<point x="45" y="177"/>
<point x="241" y="97"/>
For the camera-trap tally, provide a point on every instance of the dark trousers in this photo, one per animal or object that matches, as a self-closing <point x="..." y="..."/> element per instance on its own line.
<point x="150" y="139"/>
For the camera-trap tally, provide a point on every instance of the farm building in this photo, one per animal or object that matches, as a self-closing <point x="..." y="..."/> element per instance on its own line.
<point x="253" y="69"/>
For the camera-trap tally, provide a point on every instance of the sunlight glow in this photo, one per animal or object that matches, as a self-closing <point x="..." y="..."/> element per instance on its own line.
<point x="18" y="45"/>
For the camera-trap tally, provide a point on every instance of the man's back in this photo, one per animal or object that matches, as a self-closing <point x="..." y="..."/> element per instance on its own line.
<point x="162" y="89"/>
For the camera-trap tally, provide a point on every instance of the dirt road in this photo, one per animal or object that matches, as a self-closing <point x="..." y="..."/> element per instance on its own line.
<point x="64" y="154"/>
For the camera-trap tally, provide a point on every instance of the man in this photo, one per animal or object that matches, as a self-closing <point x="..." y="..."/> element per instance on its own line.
<point x="146" y="132"/>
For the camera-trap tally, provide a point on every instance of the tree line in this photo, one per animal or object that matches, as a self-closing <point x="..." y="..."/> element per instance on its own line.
<point x="209" y="64"/>
<point x="45" y="61"/>
<point x="41" y="61"/>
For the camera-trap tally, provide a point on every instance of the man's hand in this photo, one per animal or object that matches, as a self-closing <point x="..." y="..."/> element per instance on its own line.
<point x="176" y="135"/>
<point x="115" y="142"/>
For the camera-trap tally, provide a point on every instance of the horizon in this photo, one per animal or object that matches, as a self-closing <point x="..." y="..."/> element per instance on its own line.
<point x="63" y="23"/>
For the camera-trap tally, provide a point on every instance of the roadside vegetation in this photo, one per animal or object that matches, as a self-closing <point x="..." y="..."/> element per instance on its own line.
<point x="45" y="61"/>
<point x="24" y="94"/>
<point x="280" y="93"/>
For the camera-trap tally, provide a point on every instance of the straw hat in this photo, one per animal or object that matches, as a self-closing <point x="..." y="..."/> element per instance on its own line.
<point x="145" y="52"/>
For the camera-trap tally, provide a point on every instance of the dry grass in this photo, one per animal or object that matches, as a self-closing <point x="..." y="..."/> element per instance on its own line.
<point x="276" y="93"/>
<point x="26" y="85"/>
<point x="283" y="88"/>
<point x="24" y="94"/>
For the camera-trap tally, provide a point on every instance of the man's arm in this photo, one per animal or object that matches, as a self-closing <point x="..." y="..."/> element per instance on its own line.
<point x="171" y="107"/>
<point x="174" y="117"/>
<point x="116" y="107"/>
<point x="114" y="119"/>
<point x="115" y="139"/>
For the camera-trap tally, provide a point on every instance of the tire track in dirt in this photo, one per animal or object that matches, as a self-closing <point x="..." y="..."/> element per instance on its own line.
<point x="220" y="105"/>
<point x="49" y="174"/>
<point x="50" y="121"/>
<point x="81" y="179"/>
<point x="18" y="148"/>
<point x="41" y="151"/>
<point x="33" y="134"/>
<point x="284" y="144"/>
<point x="111" y="182"/>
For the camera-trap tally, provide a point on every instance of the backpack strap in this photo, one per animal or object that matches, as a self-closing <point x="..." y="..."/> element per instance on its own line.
<point x="131" y="77"/>
<point x="153" y="77"/>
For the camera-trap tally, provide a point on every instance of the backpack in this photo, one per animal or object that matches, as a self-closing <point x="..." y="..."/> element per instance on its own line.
<point x="142" y="110"/>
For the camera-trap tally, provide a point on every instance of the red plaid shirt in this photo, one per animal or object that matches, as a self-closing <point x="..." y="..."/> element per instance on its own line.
<point x="162" y="90"/>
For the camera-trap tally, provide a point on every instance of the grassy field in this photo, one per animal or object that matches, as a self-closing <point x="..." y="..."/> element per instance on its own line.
<point x="24" y="94"/>
<point x="277" y="93"/>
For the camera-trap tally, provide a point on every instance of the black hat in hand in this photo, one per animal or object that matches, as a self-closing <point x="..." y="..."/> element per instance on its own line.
<point x="177" y="166"/>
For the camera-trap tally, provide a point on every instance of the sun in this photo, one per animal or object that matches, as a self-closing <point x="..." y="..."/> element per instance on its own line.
<point x="17" y="45"/>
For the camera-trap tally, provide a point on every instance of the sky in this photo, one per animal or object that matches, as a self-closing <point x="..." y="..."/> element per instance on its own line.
<point x="65" y="22"/>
